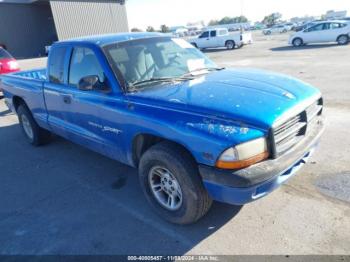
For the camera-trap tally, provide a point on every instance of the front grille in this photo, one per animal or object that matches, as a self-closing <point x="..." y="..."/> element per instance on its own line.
<point x="292" y="131"/>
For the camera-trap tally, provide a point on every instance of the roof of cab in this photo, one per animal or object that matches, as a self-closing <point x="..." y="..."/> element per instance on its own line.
<point x="102" y="40"/>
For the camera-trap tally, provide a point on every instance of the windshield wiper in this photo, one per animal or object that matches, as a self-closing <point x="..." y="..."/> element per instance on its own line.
<point x="133" y="86"/>
<point x="209" y="69"/>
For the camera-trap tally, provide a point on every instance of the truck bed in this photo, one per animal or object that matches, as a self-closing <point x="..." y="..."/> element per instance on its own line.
<point x="38" y="74"/>
<point x="29" y="85"/>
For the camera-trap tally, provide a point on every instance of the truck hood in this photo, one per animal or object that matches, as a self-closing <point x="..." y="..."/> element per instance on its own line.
<point x="249" y="96"/>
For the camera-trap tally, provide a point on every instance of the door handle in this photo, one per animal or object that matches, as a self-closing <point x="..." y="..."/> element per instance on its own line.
<point x="67" y="99"/>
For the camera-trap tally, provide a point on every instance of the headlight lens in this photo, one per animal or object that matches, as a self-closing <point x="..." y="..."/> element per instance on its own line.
<point x="243" y="155"/>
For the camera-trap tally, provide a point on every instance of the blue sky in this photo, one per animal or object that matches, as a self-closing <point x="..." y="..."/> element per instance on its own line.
<point x="142" y="13"/>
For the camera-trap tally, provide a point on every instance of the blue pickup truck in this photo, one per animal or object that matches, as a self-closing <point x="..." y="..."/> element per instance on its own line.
<point x="195" y="131"/>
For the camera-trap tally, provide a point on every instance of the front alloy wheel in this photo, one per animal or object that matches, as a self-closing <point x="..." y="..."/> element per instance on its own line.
<point x="297" y="42"/>
<point x="172" y="184"/>
<point x="165" y="188"/>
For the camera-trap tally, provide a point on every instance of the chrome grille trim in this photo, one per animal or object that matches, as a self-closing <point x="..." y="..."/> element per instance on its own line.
<point x="291" y="132"/>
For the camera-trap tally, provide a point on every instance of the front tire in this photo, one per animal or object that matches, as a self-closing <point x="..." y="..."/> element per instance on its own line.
<point x="166" y="171"/>
<point x="343" y="40"/>
<point x="34" y="134"/>
<point x="297" y="42"/>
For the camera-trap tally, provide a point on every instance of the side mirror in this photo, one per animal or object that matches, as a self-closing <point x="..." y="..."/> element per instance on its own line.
<point x="88" y="83"/>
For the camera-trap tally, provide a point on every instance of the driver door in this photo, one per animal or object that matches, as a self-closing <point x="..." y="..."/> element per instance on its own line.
<point x="203" y="40"/>
<point x="83" y="108"/>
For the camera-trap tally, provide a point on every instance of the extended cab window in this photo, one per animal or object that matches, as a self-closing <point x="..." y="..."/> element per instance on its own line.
<point x="56" y="66"/>
<point x="84" y="63"/>
<point x="212" y="33"/>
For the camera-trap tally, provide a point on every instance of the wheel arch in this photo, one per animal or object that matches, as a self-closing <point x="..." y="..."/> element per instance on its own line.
<point x="230" y="40"/>
<point x="298" y="37"/>
<point x="143" y="141"/>
<point x="17" y="101"/>
<point x="343" y="35"/>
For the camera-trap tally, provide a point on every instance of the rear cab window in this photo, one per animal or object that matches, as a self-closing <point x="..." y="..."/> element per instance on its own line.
<point x="213" y="33"/>
<point x="56" y="65"/>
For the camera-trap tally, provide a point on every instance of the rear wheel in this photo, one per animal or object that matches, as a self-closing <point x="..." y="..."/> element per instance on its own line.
<point x="34" y="133"/>
<point x="172" y="185"/>
<point x="297" y="42"/>
<point x="343" y="40"/>
<point x="230" y="44"/>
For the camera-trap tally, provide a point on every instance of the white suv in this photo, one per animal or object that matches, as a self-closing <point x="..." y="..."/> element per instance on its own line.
<point x="321" y="32"/>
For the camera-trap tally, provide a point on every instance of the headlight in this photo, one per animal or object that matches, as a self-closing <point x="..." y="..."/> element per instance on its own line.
<point x="243" y="155"/>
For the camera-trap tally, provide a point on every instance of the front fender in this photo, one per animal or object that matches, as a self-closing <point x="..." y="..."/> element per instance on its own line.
<point x="206" y="137"/>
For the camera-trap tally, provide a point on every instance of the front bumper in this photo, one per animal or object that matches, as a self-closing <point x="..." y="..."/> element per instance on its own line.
<point x="246" y="185"/>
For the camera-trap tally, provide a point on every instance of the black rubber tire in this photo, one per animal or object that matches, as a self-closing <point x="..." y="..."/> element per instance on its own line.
<point x="232" y="42"/>
<point x="196" y="201"/>
<point x="40" y="135"/>
<point x="294" y="42"/>
<point x="341" y="42"/>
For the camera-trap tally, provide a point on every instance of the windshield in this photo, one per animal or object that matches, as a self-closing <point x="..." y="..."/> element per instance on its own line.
<point x="159" y="58"/>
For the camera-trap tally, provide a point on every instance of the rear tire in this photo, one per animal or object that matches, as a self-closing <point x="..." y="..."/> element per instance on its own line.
<point x="34" y="134"/>
<point x="230" y="44"/>
<point x="343" y="40"/>
<point x="166" y="162"/>
<point x="297" y="42"/>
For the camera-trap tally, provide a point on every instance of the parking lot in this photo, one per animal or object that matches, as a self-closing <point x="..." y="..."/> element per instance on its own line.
<point x="64" y="199"/>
